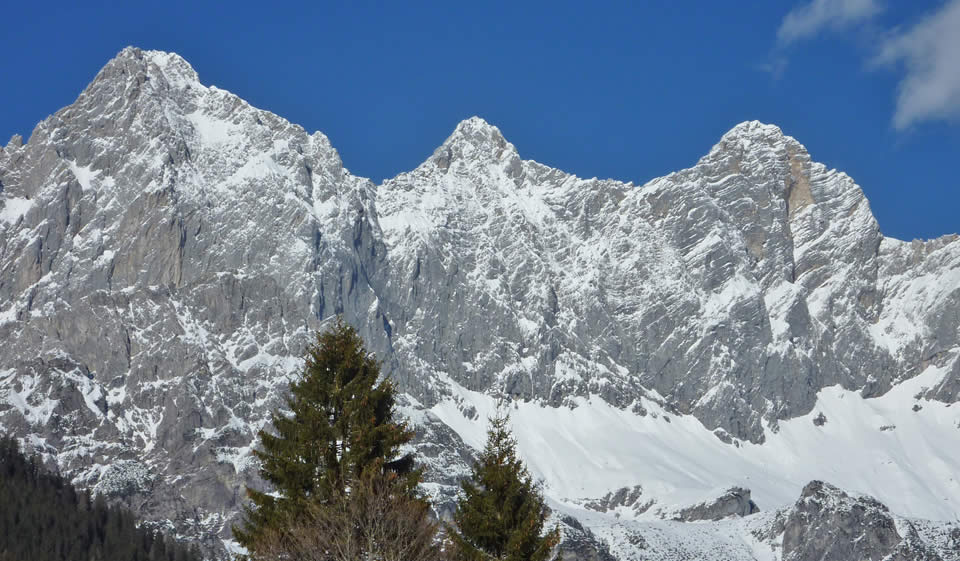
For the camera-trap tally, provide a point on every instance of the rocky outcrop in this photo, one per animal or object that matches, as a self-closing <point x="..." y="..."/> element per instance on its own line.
<point x="828" y="524"/>
<point x="734" y="502"/>
<point x="824" y="524"/>
<point x="580" y="544"/>
<point x="626" y="497"/>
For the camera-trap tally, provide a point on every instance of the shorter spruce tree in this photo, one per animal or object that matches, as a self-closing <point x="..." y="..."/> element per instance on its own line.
<point x="501" y="512"/>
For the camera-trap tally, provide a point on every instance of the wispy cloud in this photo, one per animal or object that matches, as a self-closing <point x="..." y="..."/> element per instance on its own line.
<point x="810" y="19"/>
<point x="775" y="67"/>
<point x="929" y="53"/>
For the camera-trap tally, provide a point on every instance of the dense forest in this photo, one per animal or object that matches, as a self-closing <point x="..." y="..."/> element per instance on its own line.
<point x="43" y="518"/>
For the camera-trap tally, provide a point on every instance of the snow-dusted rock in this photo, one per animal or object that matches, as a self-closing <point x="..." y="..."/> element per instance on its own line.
<point x="824" y="524"/>
<point x="830" y="525"/>
<point x="735" y="501"/>
<point x="167" y="251"/>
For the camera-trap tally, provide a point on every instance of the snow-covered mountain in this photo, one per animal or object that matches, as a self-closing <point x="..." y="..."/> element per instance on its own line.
<point x="701" y="346"/>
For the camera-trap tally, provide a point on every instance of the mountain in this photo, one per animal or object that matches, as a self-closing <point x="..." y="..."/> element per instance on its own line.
<point x="669" y="352"/>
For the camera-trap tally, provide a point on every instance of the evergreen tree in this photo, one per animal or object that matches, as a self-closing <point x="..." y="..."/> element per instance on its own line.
<point x="501" y="512"/>
<point x="341" y="423"/>
<point x="43" y="518"/>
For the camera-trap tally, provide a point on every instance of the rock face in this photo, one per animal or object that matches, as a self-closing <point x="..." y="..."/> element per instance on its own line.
<point x="167" y="251"/>
<point x="828" y="524"/>
<point x="164" y="274"/>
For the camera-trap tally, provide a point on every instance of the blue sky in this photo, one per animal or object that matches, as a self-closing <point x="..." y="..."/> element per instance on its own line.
<point x="626" y="90"/>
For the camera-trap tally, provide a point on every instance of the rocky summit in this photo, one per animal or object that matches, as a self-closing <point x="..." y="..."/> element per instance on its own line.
<point x="680" y="358"/>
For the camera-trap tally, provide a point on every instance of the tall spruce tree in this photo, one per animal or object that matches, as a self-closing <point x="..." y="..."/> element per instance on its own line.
<point x="501" y="512"/>
<point x="341" y="424"/>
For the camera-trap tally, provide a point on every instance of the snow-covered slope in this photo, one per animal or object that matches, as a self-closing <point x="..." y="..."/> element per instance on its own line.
<point x="167" y="250"/>
<point x="879" y="447"/>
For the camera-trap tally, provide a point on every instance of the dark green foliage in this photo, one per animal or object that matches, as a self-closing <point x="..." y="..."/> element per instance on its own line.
<point x="341" y="423"/>
<point x="42" y="517"/>
<point x="501" y="512"/>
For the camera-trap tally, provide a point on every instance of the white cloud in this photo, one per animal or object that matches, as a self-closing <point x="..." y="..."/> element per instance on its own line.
<point x="929" y="52"/>
<point x="775" y="67"/>
<point x="809" y="19"/>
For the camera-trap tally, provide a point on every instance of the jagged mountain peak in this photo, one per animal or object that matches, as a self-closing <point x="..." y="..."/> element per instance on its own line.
<point x="755" y="134"/>
<point x="757" y="141"/>
<point x="157" y="95"/>
<point x="135" y="75"/>
<point x="477" y="127"/>
<point x="754" y="128"/>
<point x="475" y="140"/>
<point x="170" y="66"/>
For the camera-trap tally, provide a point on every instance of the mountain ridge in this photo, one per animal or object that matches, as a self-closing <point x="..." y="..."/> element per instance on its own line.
<point x="169" y="249"/>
